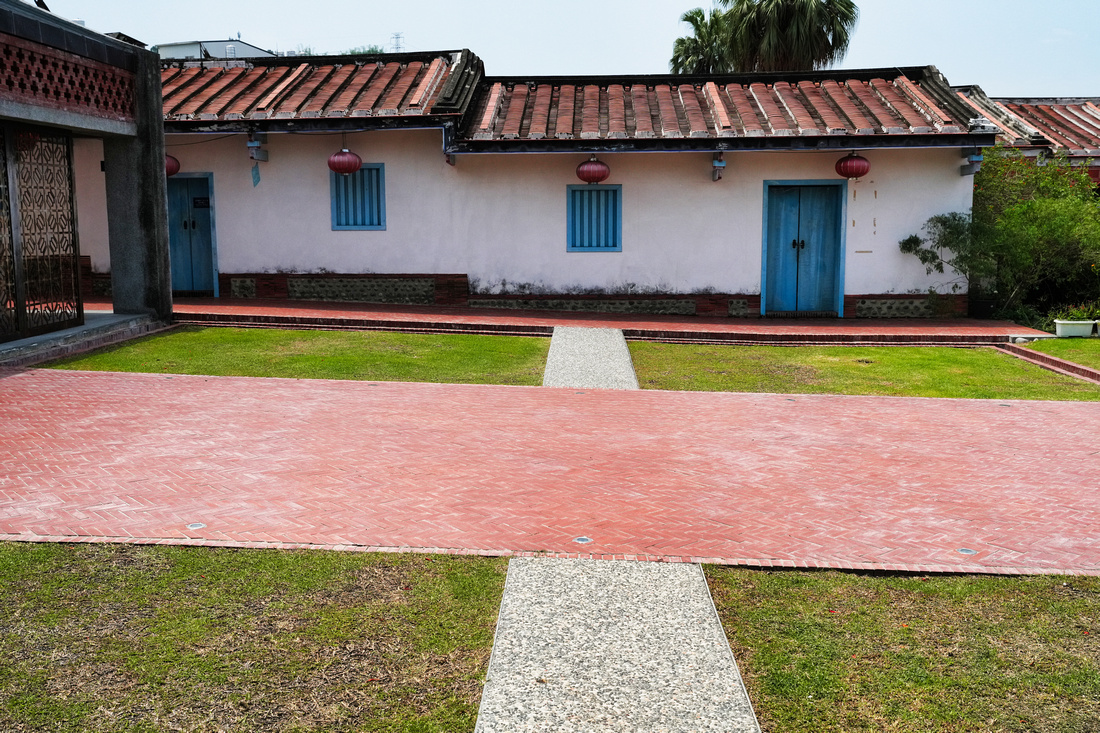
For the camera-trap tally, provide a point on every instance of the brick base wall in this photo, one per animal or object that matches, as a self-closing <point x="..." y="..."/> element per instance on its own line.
<point x="406" y="289"/>
<point x="96" y="284"/>
<point x="454" y="289"/>
<point x="905" y="306"/>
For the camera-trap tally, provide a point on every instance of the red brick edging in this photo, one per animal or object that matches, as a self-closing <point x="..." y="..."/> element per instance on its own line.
<point x="1053" y="363"/>
<point x="727" y="561"/>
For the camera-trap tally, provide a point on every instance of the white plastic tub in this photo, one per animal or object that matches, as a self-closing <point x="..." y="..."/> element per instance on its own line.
<point x="1072" y="329"/>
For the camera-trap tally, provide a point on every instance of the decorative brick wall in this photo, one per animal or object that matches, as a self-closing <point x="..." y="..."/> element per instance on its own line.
<point x="904" y="306"/>
<point x="405" y="289"/>
<point x="454" y="290"/>
<point x="595" y="304"/>
<point x="34" y="74"/>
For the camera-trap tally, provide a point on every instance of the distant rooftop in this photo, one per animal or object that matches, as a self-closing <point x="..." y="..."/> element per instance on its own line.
<point x="197" y="50"/>
<point x="1068" y="124"/>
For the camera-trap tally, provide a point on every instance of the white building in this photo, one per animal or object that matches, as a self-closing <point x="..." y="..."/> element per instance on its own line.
<point x="723" y="196"/>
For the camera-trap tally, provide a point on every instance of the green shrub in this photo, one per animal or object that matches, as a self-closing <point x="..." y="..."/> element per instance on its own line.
<point x="1033" y="236"/>
<point x="1026" y="315"/>
<point x="1087" y="311"/>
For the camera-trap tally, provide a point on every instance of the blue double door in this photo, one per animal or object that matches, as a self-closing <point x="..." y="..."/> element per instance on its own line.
<point x="802" y="262"/>
<point x="189" y="236"/>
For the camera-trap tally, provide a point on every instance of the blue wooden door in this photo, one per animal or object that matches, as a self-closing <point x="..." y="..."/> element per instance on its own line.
<point x="189" y="236"/>
<point x="803" y="248"/>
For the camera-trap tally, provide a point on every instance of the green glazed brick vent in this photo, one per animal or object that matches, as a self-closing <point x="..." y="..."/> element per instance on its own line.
<point x="738" y="308"/>
<point x="894" y="308"/>
<point x="242" y="287"/>
<point x="369" y="290"/>
<point x="669" y="307"/>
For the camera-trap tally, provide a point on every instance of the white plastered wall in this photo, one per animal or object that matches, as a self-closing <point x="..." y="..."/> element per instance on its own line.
<point x="91" y="202"/>
<point x="501" y="219"/>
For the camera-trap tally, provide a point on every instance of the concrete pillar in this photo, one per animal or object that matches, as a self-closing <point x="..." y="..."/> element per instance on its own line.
<point x="137" y="204"/>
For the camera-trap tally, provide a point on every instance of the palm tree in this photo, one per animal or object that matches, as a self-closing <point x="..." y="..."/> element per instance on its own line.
<point x="707" y="50"/>
<point x="788" y="35"/>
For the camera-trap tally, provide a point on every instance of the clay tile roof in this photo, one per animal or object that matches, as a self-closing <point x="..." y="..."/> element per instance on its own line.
<point x="808" y="109"/>
<point x="284" y="91"/>
<point x="1068" y="124"/>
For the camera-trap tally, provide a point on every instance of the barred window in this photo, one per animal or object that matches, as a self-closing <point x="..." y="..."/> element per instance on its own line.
<point x="595" y="218"/>
<point x="359" y="199"/>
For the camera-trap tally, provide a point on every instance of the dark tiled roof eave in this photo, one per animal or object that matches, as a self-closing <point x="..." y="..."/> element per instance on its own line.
<point x="346" y="124"/>
<point x="712" y="144"/>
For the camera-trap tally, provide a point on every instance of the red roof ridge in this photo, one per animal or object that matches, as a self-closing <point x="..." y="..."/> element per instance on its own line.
<point x="819" y="103"/>
<point x="872" y="107"/>
<point x="590" y="112"/>
<point x="427" y="86"/>
<point x="485" y="128"/>
<point x="775" y="120"/>
<point x="670" y="126"/>
<point x="339" y="78"/>
<point x="616" y="111"/>
<point x="723" y="124"/>
<point x="344" y="100"/>
<point x="275" y="94"/>
<point x="513" y="119"/>
<point x="183" y="107"/>
<point x="643" y="111"/>
<point x="373" y="91"/>
<point x="798" y="112"/>
<point x="567" y="98"/>
<point x="940" y="119"/>
<point x="689" y="99"/>
<point x="892" y="100"/>
<point x="540" y="111"/>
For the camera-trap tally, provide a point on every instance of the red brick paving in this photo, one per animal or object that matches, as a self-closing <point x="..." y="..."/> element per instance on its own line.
<point x="783" y="480"/>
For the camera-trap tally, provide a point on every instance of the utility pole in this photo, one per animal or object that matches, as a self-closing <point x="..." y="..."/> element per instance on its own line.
<point x="397" y="44"/>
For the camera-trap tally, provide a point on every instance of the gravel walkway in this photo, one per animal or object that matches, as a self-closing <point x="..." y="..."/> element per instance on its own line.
<point x="589" y="358"/>
<point x="589" y="646"/>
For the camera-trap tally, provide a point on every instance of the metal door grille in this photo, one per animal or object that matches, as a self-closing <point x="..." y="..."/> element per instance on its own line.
<point x="39" y="256"/>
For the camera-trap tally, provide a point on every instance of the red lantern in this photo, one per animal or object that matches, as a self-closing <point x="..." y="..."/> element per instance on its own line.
<point x="345" y="162"/>
<point x="853" y="166"/>
<point x="593" y="170"/>
<point x="171" y="165"/>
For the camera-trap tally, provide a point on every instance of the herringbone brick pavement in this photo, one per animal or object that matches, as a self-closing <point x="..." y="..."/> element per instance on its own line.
<point x="781" y="480"/>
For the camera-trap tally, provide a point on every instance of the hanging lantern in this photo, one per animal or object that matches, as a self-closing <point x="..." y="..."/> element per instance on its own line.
<point x="593" y="170"/>
<point x="171" y="165"/>
<point x="345" y="162"/>
<point x="853" y="166"/>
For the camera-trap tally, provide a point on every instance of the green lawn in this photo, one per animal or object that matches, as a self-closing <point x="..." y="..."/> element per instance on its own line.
<point x="1085" y="352"/>
<point x="829" y="651"/>
<point x="893" y="370"/>
<point x="126" y="638"/>
<point x="366" y="355"/>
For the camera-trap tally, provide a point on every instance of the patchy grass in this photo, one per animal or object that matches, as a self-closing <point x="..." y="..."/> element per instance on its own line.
<point x="365" y="355"/>
<point x="1085" y="352"/>
<point x="144" y="638"/>
<point x="893" y="370"/>
<point x="828" y="651"/>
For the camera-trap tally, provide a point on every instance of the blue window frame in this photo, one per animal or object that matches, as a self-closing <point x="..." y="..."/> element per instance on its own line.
<point x="595" y="218"/>
<point x="359" y="199"/>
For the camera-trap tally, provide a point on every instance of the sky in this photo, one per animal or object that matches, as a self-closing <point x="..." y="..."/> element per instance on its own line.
<point x="1010" y="48"/>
